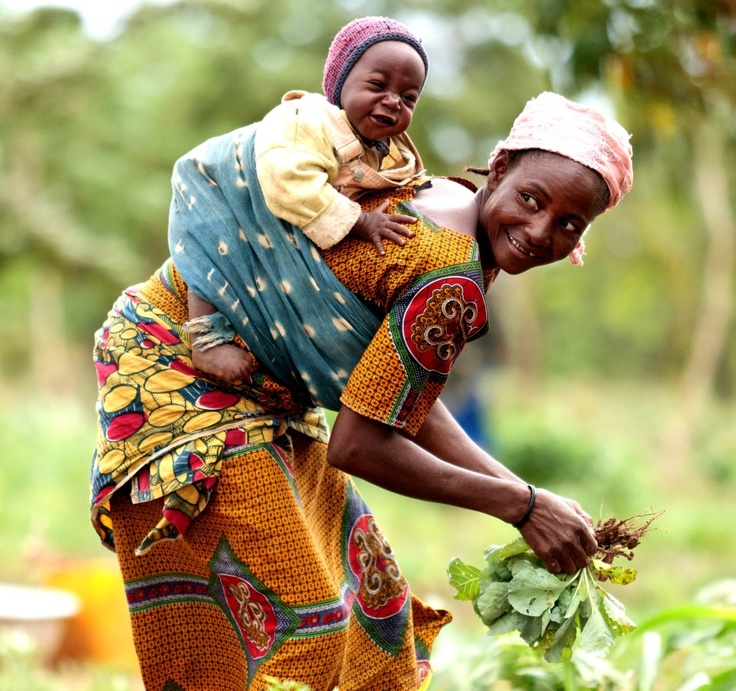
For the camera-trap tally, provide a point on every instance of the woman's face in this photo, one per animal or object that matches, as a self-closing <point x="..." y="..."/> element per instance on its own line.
<point x="382" y="90"/>
<point x="534" y="210"/>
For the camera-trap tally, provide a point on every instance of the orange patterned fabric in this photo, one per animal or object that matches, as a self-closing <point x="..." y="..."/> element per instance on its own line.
<point x="274" y="567"/>
<point x="432" y="292"/>
<point x="277" y="579"/>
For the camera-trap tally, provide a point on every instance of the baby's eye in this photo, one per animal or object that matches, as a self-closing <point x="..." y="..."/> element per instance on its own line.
<point x="411" y="99"/>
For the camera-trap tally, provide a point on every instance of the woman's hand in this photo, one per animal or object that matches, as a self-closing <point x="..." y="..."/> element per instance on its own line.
<point x="560" y="533"/>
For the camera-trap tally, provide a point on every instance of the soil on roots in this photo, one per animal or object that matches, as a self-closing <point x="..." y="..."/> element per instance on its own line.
<point x="619" y="537"/>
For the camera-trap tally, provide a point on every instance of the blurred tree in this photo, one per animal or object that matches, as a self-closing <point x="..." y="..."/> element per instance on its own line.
<point x="91" y="131"/>
<point x="670" y="67"/>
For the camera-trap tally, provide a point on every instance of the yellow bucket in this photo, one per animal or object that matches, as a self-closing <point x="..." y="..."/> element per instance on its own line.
<point x="100" y="631"/>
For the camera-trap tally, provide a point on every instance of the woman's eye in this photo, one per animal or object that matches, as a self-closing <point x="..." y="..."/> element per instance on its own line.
<point x="569" y="227"/>
<point x="529" y="200"/>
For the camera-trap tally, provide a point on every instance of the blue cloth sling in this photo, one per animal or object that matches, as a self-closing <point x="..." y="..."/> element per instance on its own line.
<point x="301" y="323"/>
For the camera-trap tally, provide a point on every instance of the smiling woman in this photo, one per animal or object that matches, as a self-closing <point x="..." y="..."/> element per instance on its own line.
<point x="540" y="206"/>
<point x="236" y="522"/>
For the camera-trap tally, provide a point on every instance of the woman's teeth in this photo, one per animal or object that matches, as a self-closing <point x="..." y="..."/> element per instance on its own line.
<point x="520" y="248"/>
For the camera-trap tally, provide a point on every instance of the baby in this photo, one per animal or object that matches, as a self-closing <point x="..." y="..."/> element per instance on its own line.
<point x="316" y="155"/>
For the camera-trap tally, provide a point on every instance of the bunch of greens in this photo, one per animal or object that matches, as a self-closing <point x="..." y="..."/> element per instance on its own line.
<point x="515" y="592"/>
<point x="275" y="684"/>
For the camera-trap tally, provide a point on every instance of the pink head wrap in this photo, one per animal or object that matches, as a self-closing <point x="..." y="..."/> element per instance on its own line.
<point x="552" y="123"/>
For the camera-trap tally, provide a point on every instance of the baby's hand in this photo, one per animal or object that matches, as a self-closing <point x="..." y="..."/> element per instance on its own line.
<point x="226" y="362"/>
<point x="376" y="226"/>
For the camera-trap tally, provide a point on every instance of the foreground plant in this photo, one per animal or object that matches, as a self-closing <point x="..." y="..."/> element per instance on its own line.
<point x="275" y="684"/>
<point x="515" y="592"/>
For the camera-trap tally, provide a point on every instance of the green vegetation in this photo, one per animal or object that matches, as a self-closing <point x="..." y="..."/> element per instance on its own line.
<point x="515" y="593"/>
<point x="613" y="384"/>
<point x="681" y="600"/>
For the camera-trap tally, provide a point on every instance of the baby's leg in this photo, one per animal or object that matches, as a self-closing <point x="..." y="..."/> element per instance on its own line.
<point x="225" y="361"/>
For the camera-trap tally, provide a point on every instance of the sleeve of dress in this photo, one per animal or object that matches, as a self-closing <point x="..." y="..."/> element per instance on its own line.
<point x="436" y="304"/>
<point x="295" y="163"/>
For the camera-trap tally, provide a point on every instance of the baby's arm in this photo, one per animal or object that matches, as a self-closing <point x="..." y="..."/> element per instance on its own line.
<point x="297" y="167"/>
<point x="376" y="226"/>
<point x="225" y="361"/>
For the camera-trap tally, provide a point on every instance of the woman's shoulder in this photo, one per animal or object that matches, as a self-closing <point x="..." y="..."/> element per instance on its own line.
<point x="450" y="203"/>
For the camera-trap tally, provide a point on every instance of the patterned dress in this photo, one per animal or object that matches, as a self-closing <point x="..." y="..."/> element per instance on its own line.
<point x="246" y="557"/>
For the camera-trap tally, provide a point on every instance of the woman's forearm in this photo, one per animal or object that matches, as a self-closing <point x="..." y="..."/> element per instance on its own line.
<point x="377" y="453"/>
<point x="441" y="465"/>
<point x="443" y="437"/>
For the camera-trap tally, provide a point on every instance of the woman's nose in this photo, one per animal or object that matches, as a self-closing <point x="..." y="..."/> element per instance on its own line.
<point x="540" y="231"/>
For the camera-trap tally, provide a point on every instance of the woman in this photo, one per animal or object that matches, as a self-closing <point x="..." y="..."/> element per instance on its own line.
<point x="246" y="551"/>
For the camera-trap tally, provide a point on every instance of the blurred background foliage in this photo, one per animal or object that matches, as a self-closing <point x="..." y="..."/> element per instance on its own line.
<point x="615" y="380"/>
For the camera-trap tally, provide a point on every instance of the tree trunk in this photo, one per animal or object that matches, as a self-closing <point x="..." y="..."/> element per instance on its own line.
<point x="711" y="328"/>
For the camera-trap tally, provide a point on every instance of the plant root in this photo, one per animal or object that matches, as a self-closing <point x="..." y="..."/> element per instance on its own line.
<point x="619" y="537"/>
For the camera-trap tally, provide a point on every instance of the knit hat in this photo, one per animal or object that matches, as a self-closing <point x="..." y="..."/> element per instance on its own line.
<point x="353" y="40"/>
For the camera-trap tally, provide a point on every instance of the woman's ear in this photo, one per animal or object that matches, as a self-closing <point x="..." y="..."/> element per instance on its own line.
<point x="498" y="169"/>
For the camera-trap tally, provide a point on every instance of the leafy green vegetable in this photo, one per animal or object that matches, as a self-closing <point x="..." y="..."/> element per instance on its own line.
<point x="515" y="592"/>
<point x="275" y="684"/>
<point x="465" y="579"/>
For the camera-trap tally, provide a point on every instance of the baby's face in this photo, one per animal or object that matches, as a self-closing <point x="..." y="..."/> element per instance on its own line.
<point x="382" y="90"/>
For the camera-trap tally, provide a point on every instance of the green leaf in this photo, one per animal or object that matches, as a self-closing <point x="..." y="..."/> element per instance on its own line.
<point x="533" y="590"/>
<point x="465" y="579"/>
<point x="500" y="558"/>
<point x="596" y="636"/>
<point x="614" y="612"/>
<point x="560" y="647"/>
<point x="508" y="623"/>
<point x="688" y="612"/>
<point x="532" y="629"/>
<point x="493" y="602"/>
<point x="616" y="574"/>
<point x="576" y="596"/>
<point x="512" y="549"/>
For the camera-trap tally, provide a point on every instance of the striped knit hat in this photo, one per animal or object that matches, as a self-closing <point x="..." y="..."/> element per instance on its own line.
<point x="353" y="40"/>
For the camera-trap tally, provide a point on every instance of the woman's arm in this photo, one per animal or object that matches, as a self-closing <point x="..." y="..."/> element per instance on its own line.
<point x="442" y="436"/>
<point x="556" y="531"/>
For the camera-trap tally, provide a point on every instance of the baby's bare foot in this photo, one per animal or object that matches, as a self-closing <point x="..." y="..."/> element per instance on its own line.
<point x="226" y="362"/>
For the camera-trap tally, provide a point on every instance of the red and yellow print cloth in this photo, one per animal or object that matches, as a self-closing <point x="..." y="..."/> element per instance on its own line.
<point x="233" y="532"/>
<point x="162" y="425"/>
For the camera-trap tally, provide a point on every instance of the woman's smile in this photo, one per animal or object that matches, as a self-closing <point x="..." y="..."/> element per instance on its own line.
<point x="518" y="246"/>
